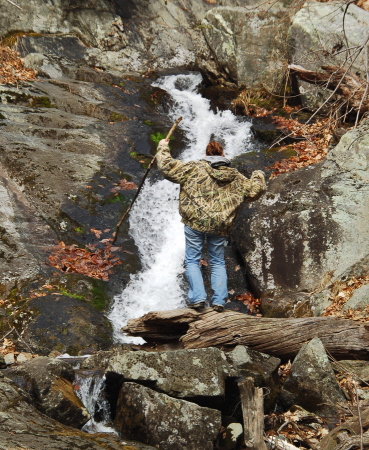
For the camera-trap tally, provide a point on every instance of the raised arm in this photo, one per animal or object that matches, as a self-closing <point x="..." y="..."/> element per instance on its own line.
<point x="172" y="169"/>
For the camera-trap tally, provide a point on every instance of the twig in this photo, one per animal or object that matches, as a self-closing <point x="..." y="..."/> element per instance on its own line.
<point x="7" y="334"/>
<point x="20" y="337"/>
<point x="359" y="415"/>
<point x="14" y="4"/>
<point x="366" y="87"/>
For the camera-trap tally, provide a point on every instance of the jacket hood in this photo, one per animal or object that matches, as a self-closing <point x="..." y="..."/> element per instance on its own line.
<point x="217" y="161"/>
<point x="222" y="173"/>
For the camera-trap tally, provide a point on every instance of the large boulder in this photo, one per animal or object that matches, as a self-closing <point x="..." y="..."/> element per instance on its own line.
<point x="196" y="373"/>
<point x="49" y="383"/>
<point x="165" y="422"/>
<point x="310" y="229"/>
<point x="249" y="44"/>
<point x="135" y="37"/>
<point x="311" y="383"/>
<point x="327" y="34"/>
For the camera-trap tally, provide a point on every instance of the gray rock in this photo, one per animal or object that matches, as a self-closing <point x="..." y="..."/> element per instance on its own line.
<point x="250" y="45"/>
<point x="316" y="39"/>
<point x="9" y="359"/>
<point x="179" y="373"/>
<point x="22" y="426"/>
<point x="231" y="436"/>
<point x="311" y="228"/>
<point x="95" y="22"/>
<point x="42" y="65"/>
<point x="165" y="422"/>
<point x="359" y="299"/>
<point x="359" y="369"/>
<point x="311" y="383"/>
<point x="261" y="367"/>
<point x="48" y="382"/>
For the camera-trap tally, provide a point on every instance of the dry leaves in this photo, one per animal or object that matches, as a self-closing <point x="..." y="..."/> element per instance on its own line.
<point x="124" y="185"/>
<point x="12" y="67"/>
<point x="92" y="262"/>
<point x="253" y="304"/>
<point x="297" y="426"/>
<point x="7" y="347"/>
<point x="341" y="292"/>
<point x="311" y="150"/>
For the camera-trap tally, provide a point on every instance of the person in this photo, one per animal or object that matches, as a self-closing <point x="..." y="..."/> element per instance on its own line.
<point x="211" y="192"/>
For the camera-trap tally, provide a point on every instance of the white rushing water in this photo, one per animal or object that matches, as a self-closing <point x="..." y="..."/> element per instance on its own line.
<point x="91" y="392"/>
<point x="154" y="220"/>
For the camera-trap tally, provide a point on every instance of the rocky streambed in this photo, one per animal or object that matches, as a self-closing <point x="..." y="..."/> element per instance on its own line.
<point x="188" y="399"/>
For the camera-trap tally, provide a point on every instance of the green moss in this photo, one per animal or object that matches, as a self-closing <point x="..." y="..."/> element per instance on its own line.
<point x="2" y="117"/>
<point x="100" y="299"/>
<point x="42" y="102"/>
<point x="117" y="117"/>
<point x="115" y="199"/>
<point x="69" y="294"/>
<point x="79" y="230"/>
<point x="148" y="123"/>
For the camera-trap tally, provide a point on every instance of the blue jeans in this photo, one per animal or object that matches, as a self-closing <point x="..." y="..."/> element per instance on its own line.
<point x="194" y="244"/>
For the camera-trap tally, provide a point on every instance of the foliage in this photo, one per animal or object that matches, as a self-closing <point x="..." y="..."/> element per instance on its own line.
<point x="254" y="103"/>
<point x="312" y="148"/>
<point x="253" y="304"/>
<point x="157" y="137"/>
<point x="12" y="67"/>
<point x="93" y="262"/>
<point x="341" y="292"/>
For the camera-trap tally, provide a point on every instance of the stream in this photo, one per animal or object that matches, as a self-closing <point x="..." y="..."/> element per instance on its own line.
<point x="154" y="220"/>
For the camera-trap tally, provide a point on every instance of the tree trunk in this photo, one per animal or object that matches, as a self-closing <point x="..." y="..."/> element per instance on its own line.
<point x="349" y="86"/>
<point x="252" y="403"/>
<point x="342" y="338"/>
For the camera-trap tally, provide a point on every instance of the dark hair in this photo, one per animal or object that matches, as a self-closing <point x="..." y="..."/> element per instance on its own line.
<point x="214" y="149"/>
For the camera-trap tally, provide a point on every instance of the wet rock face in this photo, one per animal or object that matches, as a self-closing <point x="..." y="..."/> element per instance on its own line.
<point x="309" y="229"/>
<point x="49" y="383"/>
<point x="180" y="373"/>
<point x="251" y="45"/>
<point x="312" y="384"/>
<point x="39" y="431"/>
<point x="163" y="421"/>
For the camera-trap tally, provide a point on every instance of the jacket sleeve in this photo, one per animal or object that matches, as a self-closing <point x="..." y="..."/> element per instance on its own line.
<point x="257" y="184"/>
<point x="172" y="169"/>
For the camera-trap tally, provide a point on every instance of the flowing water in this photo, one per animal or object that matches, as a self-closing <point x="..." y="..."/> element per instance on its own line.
<point x="154" y="220"/>
<point x="91" y="391"/>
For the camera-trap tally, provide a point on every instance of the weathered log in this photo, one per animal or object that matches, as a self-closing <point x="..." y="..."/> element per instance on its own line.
<point x="350" y="86"/>
<point x="343" y="338"/>
<point x="252" y="404"/>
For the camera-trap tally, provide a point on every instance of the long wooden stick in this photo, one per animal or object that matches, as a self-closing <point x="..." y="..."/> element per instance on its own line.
<point x="115" y="234"/>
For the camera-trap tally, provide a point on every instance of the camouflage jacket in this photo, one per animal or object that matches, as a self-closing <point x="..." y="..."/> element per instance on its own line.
<point x="209" y="198"/>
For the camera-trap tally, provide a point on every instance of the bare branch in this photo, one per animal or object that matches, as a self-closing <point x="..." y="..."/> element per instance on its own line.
<point x="14" y="4"/>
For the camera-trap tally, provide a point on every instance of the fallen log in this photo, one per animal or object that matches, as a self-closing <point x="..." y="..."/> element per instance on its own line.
<point x="342" y="338"/>
<point x="349" y="86"/>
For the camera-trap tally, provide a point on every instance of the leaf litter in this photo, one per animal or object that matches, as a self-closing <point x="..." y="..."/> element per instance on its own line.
<point x="93" y="262"/>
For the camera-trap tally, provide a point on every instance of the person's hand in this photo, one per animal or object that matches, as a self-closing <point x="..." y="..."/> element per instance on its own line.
<point x="163" y="141"/>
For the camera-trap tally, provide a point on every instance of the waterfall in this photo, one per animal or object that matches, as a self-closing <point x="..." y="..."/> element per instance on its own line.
<point x="90" y="390"/>
<point x="154" y="220"/>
